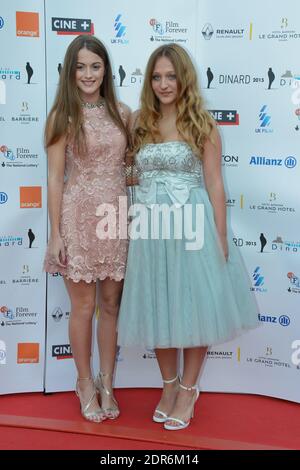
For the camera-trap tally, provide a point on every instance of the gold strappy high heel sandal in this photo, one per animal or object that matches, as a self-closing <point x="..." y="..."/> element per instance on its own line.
<point x="111" y="412"/>
<point x="86" y="406"/>
<point x="163" y="416"/>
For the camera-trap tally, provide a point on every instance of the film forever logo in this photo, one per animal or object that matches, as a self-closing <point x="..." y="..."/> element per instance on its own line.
<point x="27" y="24"/>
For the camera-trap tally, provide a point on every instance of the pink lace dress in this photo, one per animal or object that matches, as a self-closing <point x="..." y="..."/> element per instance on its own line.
<point x="91" y="180"/>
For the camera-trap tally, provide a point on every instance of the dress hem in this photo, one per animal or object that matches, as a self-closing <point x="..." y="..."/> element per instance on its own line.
<point x="234" y="334"/>
<point x="88" y="280"/>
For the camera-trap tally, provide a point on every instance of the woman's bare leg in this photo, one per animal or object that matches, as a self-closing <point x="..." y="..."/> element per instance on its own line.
<point x="109" y="303"/>
<point x="82" y="296"/>
<point x="167" y="361"/>
<point x="193" y="361"/>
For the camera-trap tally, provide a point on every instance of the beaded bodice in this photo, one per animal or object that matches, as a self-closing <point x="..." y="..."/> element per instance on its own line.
<point x="170" y="167"/>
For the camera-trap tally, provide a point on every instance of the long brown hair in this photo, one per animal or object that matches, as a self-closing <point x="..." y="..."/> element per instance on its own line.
<point x="66" y="114"/>
<point x="194" y="123"/>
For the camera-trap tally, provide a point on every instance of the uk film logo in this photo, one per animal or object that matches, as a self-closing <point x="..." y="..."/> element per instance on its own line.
<point x="258" y="281"/>
<point x="264" y="121"/>
<point x="120" y="31"/>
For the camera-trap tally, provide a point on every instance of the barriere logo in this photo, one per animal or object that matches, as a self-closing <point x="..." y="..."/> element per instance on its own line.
<point x="30" y="197"/>
<point x="28" y="353"/>
<point x="27" y="24"/>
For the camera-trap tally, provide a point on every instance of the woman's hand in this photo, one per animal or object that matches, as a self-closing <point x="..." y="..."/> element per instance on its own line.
<point x="224" y="246"/>
<point x="56" y="251"/>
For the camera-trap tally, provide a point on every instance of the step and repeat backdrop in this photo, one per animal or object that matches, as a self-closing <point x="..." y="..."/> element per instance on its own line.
<point x="248" y="67"/>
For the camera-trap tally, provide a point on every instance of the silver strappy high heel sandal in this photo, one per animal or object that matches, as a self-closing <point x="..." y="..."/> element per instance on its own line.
<point x="111" y="412"/>
<point x="163" y="416"/>
<point x="86" y="407"/>
<point x="180" y="424"/>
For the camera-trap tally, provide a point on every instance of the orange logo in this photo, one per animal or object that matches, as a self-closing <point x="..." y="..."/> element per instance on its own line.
<point x="30" y="197"/>
<point x="28" y="353"/>
<point x="27" y="24"/>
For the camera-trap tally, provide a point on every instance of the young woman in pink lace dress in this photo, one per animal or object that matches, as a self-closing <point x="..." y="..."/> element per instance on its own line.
<point x="86" y="138"/>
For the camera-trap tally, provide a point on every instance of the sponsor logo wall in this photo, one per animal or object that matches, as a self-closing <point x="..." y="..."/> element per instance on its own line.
<point x="247" y="60"/>
<point x="247" y="67"/>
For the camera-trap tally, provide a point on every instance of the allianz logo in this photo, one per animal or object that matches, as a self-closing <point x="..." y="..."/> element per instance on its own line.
<point x="288" y="162"/>
<point x="283" y="320"/>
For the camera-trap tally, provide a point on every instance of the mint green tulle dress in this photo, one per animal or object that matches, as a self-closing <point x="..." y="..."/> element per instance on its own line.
<point x="175" y="296"/>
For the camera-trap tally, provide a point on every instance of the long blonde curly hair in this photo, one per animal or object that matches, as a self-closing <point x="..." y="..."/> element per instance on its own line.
<point x="194" y="123"/>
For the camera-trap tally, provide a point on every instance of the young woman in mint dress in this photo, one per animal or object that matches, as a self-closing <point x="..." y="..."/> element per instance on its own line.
<point x="177" y="295"/>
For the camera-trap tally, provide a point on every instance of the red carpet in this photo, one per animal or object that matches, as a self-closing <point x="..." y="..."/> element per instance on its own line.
<point x="222" y="421"/>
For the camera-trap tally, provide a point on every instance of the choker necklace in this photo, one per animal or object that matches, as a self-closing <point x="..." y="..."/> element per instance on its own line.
<point x="99" y="104"/>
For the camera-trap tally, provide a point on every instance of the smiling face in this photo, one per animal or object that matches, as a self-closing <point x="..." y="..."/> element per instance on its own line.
<point x="89" y="75"/>
<point x="164" y="81"/>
